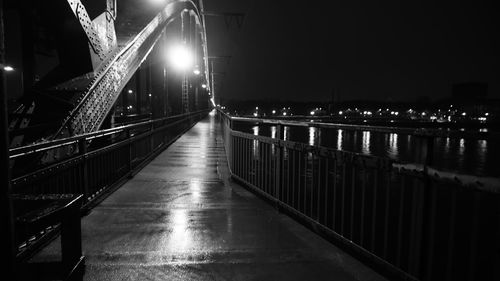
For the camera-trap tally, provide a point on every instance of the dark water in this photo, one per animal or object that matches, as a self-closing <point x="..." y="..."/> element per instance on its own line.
<point x="465" y="156"/>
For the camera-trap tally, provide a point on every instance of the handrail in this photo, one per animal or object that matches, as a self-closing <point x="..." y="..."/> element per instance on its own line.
<point x="394" y="215"/>
<point x="487" y="184"/>
<point x="43" y="146"/>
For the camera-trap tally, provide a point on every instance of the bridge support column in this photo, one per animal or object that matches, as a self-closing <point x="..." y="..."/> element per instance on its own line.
<point x="7" y="244"/>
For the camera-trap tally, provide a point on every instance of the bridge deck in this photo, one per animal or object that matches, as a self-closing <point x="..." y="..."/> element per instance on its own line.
<point x="181" y="219"/>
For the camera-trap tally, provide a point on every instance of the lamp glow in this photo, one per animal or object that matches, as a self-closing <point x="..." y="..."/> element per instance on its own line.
<point x="8" y="68"/>
<point x="204" y="86"/>
<point x="180" y="57"/>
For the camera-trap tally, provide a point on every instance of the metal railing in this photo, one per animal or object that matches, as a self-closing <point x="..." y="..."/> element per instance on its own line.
<point x="93" y="164"/>
<point x="410" y="221"/>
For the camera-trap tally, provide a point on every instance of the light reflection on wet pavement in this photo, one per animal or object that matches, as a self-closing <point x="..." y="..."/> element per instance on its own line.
<point x="181" y="219"/>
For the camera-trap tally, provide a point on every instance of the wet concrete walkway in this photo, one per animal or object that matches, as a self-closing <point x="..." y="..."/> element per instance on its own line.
<point x="180" y="218"/>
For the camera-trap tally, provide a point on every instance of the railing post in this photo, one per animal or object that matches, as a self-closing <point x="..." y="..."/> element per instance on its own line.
<point x="425" y="239"/>
<point x="229" y="144"/>
<point x="277" y="172"/>
<point x="82" y="149"/>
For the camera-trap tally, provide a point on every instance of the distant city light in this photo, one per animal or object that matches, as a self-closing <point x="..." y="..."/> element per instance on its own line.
<point x="274" y="111"/>
<point x="340" y="112"/>
<point x="312" y="112"/>
<point x="204" y="86"/>
<point x="463" y="113"/>
<point x="433" y="117"/>
<point x="486" y="114"/>
<point x="255" y="114"/>
<point x="423" y="113"/>
<point x="149" y="95"/>
<point x="256" y="108"/>
<point x="8" y="68"/>
<point x="130" y="91"/>
<point x="396" y="113"/>
<point x="284" y="113"/>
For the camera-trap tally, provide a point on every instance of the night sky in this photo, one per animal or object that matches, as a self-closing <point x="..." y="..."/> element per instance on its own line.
<point x="391" y="51"/>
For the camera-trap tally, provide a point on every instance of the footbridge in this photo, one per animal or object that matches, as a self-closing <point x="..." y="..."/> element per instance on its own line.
<point x="120" y="166"/>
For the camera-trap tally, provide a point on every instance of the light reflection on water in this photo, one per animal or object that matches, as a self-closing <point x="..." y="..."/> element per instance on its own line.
<point x="366" y="142"/>
<point x="461" y="147"/>
<point x="465" y="156"/>
<point x="273" y="135"/>
<point x="286" y="133"/>
<point x="339" y="139"/>
<point x="482" y="148"/>
<point x="273" y="132"/>
<point x="255" y="146"/>
<point x="312" y="136"/>
<point x="393" y="146"/>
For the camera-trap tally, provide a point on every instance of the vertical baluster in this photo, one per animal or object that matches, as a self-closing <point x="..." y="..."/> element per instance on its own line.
<point x="327" y="187"/>
<point x="342" y="210"/>
<point x="288" y="189"/>
<point x="363" y="195"/>
<point x="353" y="196"/>
<point x="265" y="172"/>
<point x="278" y="161"/>
<point x="400" y="222"/>
<point x="294" y="175"/>
<point x="473" y="239"/>
<point x="374" y="212"/>
<point x="304" y="158"/>
<point x="334" y="197"/>
<point x="319" y="188"/>
<point x="451" y="235"/>
<point x="311" y="188"/>
<point x="299" y="182"/>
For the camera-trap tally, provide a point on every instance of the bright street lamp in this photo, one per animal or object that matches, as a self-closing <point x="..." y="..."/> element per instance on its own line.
<point x="180" y="57"/>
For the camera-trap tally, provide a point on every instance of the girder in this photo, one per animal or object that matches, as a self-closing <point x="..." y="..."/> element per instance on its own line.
<point x="84" y="102"/>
